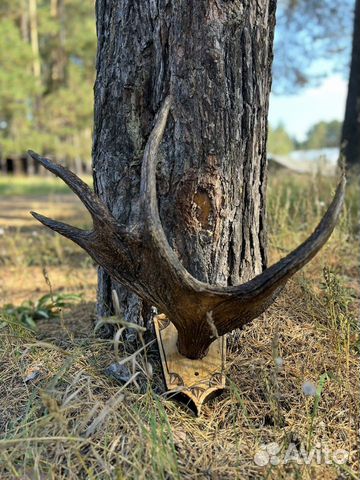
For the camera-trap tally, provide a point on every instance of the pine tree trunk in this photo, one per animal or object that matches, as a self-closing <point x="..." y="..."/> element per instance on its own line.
<point x="215" y="58"/>
<point x="34" y="38"/>
<point x="350" y="141"/>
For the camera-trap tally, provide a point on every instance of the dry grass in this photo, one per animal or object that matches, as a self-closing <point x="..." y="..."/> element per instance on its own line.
<point x="26" y="248"/>
<point x="74" y="422"/>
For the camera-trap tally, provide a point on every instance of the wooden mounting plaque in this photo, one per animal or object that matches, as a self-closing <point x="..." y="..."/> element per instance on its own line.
<point x="194" y="380"/>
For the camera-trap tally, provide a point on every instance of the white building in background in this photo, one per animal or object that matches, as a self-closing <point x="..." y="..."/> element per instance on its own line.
<point x="322" y="161"/>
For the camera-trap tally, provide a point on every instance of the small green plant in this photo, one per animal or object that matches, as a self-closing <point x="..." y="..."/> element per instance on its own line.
<point x="47" y="306"/>
<point x="324" y="378"/>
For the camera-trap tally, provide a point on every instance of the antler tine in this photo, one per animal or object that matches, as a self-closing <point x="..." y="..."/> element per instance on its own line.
<point x="81" y="237"/>
<point x="286" y="267"/>
<point x="150" y="204"/>
<point x="247" y="301"/>
<point x="263" y="284"/>
<point x="148" y="169"/>
<point x="96" y="208"/>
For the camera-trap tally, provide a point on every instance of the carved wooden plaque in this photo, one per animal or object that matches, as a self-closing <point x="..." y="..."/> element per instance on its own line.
<point x="191" y="380"/>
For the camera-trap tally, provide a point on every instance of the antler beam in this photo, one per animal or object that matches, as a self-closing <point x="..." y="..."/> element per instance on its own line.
<point x="146" y="264"/>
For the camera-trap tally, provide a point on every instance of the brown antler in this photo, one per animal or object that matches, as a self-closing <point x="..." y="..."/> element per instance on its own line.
<point x="143" y="261"/>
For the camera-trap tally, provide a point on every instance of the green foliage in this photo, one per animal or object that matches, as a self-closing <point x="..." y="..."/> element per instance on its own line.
<point x="16" y="81"/>
<point x="323" y="135"/>
<point x="17" y="87"/>
<point x="51" y="113"/>
<point x="279" y="141"/>
<point x="46" y="307"/>
<point x="320" y="135"/>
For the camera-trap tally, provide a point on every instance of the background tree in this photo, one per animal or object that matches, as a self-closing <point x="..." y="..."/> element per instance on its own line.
<point x="323" y="135"/>
<point x="350" y="138"/>
<point x="17" y="87"/>
<point x="279" y="141"/>
<point x="47" y="76"/>
<point x="313" y="40"/>
<point x="55" y="111"/>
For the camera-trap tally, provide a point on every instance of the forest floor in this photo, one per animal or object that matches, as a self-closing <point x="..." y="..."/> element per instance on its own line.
<point x="291" y="404"/>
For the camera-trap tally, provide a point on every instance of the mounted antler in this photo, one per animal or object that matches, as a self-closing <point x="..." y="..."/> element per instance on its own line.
<point x="143" y="261"/>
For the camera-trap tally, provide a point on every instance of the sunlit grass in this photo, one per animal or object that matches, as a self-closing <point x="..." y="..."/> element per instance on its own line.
<point x="33" y="186"/>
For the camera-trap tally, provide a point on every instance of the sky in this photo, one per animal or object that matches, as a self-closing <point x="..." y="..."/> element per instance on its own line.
<point x="299" y="112"/>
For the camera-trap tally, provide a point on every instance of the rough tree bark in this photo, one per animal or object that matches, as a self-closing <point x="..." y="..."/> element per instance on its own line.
<point x="350" y="138"/>
<point x="214" y="57"/>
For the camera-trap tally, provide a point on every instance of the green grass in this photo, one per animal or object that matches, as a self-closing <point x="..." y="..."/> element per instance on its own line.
<point x="34" y="186"/>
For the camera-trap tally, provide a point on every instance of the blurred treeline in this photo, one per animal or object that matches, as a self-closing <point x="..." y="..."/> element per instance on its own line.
<point x="320" y="135"/>
<point x="47" y="55"/>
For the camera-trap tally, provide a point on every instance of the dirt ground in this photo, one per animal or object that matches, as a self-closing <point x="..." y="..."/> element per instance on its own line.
<point x="26" y="248"/>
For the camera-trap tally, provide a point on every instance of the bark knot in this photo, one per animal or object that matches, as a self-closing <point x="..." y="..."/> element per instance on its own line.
<point x="199" y="199"/>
